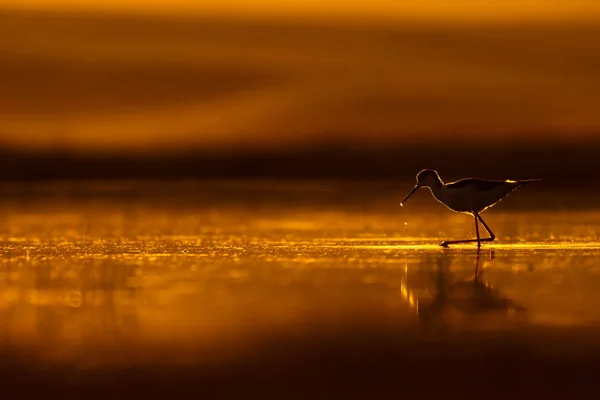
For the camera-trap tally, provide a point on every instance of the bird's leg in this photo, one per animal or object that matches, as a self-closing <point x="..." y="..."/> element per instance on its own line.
<point x="477" y="230"/>
<point x="487" y="228"/>
<point x="445" y="243"/>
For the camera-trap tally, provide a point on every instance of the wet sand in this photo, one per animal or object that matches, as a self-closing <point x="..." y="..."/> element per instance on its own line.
<point x="304" y="289"/>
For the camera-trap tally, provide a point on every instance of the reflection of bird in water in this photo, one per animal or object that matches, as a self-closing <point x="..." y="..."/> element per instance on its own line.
<point x="471" y="196"/>
<point x="472" y="298"/>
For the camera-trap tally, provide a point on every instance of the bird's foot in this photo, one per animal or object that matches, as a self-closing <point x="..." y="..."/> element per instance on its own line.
<point x="444" y="244"/>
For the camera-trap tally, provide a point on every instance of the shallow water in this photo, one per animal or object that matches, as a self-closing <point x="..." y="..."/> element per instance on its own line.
<point x="204" y="274"/>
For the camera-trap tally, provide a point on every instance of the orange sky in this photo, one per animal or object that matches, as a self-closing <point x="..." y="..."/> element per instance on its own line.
<point x="82" y="82"/>
<point x="475" y="10"/>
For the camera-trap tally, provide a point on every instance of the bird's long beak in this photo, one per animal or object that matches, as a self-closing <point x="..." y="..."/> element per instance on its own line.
<point x="410" y="194"/>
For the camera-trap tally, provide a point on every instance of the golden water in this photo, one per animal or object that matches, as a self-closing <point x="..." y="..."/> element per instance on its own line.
<point x="202" y="273"/>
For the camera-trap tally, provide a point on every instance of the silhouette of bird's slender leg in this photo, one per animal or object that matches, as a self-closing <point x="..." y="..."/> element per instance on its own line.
<point x="487" y="228"/>
<point x="477" y="230"/>
<point x="445" y="243"/>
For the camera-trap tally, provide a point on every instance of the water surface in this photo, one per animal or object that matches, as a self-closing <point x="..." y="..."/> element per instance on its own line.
<point x="200" y="284"/>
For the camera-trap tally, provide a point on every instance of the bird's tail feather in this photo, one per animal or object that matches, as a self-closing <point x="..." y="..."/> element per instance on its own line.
<point x="526" y="181"/>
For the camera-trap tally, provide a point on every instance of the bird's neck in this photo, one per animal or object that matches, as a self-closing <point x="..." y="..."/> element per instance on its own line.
<point x="436" y="185"/>
<point x="436" y="190"/>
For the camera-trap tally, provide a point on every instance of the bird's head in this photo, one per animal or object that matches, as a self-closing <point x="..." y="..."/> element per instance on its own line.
<point x="426" y="178"/>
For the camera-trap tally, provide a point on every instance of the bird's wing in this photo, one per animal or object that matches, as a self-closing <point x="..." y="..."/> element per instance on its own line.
<point x="480" y="184"/>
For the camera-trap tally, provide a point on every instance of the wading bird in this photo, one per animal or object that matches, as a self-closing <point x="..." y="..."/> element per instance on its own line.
<point x="469" y="196"/>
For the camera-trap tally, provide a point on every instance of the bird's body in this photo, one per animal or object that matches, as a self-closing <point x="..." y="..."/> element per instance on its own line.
<point x="469" y="195"/>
